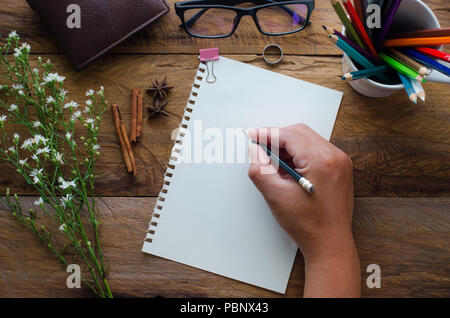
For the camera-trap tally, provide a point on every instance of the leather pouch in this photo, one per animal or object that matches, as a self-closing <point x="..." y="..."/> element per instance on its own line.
<point x="87" y="29"/>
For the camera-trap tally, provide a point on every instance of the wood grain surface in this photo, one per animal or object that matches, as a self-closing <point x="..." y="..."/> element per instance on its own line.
<point x="400" y="153"/>
<point x="165" y="35"/>
<point x="407" y="237"/>
<point x="398" y="148"/>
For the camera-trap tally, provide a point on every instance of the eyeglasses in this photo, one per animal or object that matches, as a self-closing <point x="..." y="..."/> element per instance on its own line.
<point x="214" y="19"/>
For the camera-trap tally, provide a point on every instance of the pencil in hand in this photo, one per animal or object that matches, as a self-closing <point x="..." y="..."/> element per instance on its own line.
<point x="302" y="181"/>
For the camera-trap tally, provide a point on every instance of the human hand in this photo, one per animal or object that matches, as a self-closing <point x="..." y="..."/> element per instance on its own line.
<point x="319" y="222"/>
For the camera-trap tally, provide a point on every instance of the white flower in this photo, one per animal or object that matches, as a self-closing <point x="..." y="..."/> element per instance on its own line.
<point x="36" y="71"/>
<point x="39" y="202"/>
<point x="42" y="150"/>
<point x="13" y="34"/>
<point x="68" y="135"/>
<point x="58" y="157"/>
<point x="86" y="110"/>
<point x="35" y="172"/>
<point x="16" y="136"/>
<point x="38" y="138"/>
<point x="66" y="199"/>
<point x="17" y="86"/>
<point x="63" y="92"/>
<point x="36" y="124"/>
<point x="27" y="143"/>
<point x="53" y="77"/>
<point x="62" y="227"/>
<point x="89" y="102"/>
<point x="25" y="47"/>
<point x="20" y="92"/>
<point x="50" y="99"/>
<point x="71" y="104"/>
<point x="75" y="115"/>
<point x="66" y="184"/>
<point x="90" y="121"/>
<point x="12" y="149"/>
<point x="90" y="92"/>
<point x="12" y="108"/>
<point x="3" y="118"/>
<point x="34" y="157"/>
<point x="96" y="147"/>
<point x="101" y="91"/>
<point x="17" y="52"/>
<point x="23" y="161"/>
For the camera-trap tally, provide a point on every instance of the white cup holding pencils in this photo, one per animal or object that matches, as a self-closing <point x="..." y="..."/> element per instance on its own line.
<point x="404" y="20"/>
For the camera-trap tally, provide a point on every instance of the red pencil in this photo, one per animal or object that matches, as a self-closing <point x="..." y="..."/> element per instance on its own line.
<point x="434" y="53"/>
<point x="359" y="26"/>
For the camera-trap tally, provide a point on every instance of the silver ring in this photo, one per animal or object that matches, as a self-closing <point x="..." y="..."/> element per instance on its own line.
<point x="278" y="48"/>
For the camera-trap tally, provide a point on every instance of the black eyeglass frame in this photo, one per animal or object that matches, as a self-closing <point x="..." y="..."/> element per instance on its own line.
<point x="181" y="7"/>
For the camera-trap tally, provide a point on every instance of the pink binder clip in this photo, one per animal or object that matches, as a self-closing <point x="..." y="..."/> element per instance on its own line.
<point x="209" y="56"/>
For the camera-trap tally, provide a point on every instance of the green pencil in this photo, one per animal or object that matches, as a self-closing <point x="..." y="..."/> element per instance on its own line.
<point x="402" y="68"/>
<point x="357" y="57"/>
<point x="349" y="28"/>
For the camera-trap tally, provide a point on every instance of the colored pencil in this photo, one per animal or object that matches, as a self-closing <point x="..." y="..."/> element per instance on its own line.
<point x="367" y="72"/>
<point x="408" y="87"/>
<point x="349" y="28"/>
<point x="400" y="67"/>
<point x="418" y="89"/>
<point x="434" y="53"/>
<point x="417" y="41"/>
<point x="358" y="58"/>
<point x="427" y="61"/>
<point x="422" y="33"/>
<point x="387" y="22"/>
<point x="399" y="56"/>
<point x="359" y="8"/>
<point x="361" y="51"/>
<point x="359" y="27"/>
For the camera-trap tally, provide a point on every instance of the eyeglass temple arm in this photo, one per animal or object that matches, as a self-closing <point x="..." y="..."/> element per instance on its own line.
<point x="197" y="16"/>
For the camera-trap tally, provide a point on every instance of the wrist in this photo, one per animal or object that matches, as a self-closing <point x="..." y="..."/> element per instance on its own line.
<point x="331" y="248"/>
<point x="333" y="271"/>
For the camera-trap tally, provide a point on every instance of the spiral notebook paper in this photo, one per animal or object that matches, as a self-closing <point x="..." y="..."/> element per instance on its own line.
<point x="209" y="215"/>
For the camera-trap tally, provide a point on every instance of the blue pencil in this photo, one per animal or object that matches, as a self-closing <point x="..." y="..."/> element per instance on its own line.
<point x="419" y="57"/>
<point x="357" y="57"/>
<point x="408" y="87"/>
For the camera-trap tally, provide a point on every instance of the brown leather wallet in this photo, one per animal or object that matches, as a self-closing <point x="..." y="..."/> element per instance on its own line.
<point x="99" y="26"/>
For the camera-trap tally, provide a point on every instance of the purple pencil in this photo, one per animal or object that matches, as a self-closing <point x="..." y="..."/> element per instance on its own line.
<point x="388" y="18"/>
<point x="360" y="50"/>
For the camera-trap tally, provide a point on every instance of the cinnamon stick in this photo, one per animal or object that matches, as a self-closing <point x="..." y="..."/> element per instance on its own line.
<point x="133" y="124"/>
<point x="140" y="114"/>
<point x="126" y="156"/>
<point x="123" y="139"/>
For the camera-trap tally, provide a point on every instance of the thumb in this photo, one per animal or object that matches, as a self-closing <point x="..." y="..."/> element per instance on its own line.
<point x="261" y="172"/>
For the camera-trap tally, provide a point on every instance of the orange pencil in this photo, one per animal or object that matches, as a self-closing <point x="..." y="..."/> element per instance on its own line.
<point x="417" y="41"/>
<point x="359" y="26"/>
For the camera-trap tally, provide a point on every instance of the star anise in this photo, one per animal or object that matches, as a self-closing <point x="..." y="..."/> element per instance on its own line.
<point x="159" y="89"/>
<point x="157" y="109"/>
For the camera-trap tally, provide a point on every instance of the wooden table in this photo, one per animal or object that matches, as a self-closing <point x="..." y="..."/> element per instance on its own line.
<point x="400" y="153"/>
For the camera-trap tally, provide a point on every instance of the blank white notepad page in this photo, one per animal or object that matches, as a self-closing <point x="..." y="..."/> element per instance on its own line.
<point x="212" y="216"/>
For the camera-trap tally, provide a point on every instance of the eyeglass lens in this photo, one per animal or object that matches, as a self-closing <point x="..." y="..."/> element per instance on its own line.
<point x="272" y="19"/>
